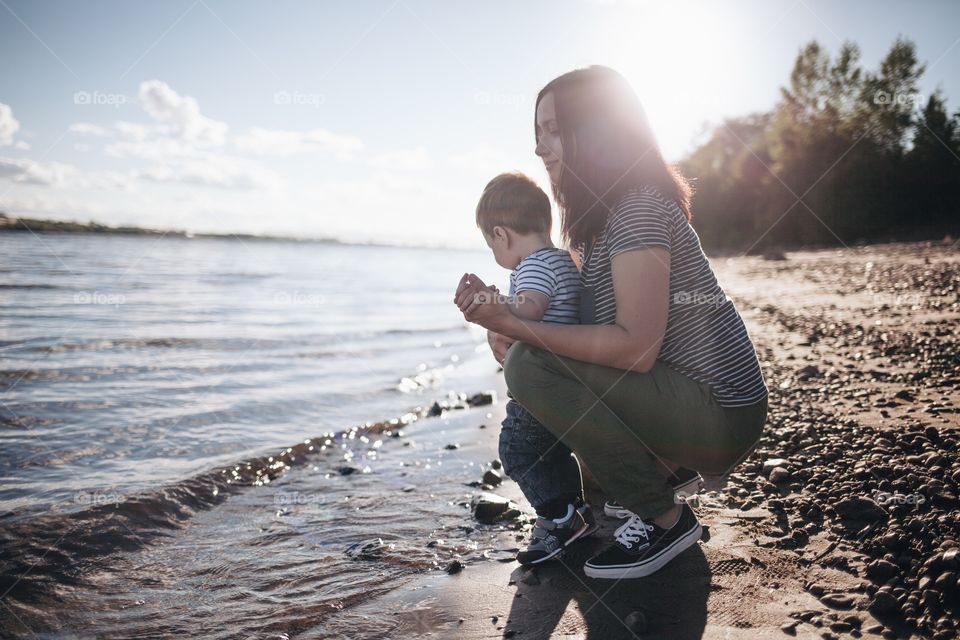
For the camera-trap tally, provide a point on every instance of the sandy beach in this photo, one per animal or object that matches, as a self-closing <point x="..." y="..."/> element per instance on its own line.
<point x="849" y="538"/>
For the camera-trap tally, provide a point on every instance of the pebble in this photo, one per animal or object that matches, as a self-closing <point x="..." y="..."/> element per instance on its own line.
<point x="837" y="600"/>
<point x="492" y="478"/>
<point x="882" y="570"/>
<point x="482" y="398"/>
<point x="769" y="465"/>
<point x="489" y="507"/>
<point x="778" y="475"/>
<point x="636" y="622"/>
<point x="884" y="602"/>
<point x="454" y="567"/>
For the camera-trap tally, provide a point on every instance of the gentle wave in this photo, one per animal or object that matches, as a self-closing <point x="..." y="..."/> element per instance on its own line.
<point x="123" y="523"/>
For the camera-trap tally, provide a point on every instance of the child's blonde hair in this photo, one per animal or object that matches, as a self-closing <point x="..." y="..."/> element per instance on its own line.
<point x="514" y="201"/>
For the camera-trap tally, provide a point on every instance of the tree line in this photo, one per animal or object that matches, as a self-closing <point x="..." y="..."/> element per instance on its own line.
<point x="846" y="156"/>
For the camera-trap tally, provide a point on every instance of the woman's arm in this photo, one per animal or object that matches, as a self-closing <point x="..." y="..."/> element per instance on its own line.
<point x="641" y="285"/>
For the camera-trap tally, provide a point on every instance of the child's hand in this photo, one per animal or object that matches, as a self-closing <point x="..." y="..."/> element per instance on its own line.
<point x="470" y="289"/>
<point x="467" y="281"/>
<point x="479" y="303"/>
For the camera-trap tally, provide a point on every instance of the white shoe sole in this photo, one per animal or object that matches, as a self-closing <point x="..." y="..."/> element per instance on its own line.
<point x="584" y="532"/>
<point x="649" y="566"/>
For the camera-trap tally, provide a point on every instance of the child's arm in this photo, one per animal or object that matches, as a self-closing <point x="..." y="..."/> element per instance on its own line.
<point x="535" y="283"/>
<point x="528" y="305"/>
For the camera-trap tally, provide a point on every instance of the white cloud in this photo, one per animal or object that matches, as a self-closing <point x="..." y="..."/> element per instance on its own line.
<point x="183" y="145"/>
<point x="156" y="149"/>
<point x="46" y="205"/>
<point x="283" y="142"/>
<point x="30" y="172"/>
<point x="88" y="129"/>
<point x="8" y="125"/>
<point x="56" y="174"/>
<point x="181" y="112"/>
<point x="136" y="131"/>
<point x="404" y="160"/>
<point x="215" y="171"/>
<point x="177" y="168"/>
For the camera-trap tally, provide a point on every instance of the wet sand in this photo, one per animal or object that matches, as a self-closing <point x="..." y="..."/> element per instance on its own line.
<point x="729" y="586"/>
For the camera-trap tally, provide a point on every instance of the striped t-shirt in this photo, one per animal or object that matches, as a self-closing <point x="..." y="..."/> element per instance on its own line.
<point x="552" y="272"/>
<point x="705" y="338"/>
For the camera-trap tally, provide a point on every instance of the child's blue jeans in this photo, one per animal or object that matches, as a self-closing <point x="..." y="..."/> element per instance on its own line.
<point x="543" y="467"/>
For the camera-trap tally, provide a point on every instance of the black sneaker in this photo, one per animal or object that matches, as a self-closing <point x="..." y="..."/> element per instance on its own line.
<point x="642" y="548"/>
<point x="550" y="537"/>
<point x="685" y="483"/>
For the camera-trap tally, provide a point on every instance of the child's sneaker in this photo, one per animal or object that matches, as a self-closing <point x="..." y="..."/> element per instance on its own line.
<point x="685" y="483"/>
<point x="550" y="537"/>
<point x="641" y="548"/>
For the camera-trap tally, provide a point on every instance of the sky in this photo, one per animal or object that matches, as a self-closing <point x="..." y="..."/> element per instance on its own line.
<point x="374" y="120"/>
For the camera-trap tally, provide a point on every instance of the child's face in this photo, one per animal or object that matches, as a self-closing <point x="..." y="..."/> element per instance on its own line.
<point x="499" y="243"/>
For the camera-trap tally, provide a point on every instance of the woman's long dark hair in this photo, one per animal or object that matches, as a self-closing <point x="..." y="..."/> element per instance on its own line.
<point x="608" y="149"/>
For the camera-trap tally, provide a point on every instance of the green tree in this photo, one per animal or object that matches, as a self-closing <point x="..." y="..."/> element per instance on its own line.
<point x="933" y="164"/>
<point x="845" y="155"/>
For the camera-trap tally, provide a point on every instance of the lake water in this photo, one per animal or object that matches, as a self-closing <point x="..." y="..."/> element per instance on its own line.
<point x="144" y="381"/>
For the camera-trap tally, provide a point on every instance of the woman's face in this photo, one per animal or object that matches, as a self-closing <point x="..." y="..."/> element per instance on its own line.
<point x="549" y="147"/>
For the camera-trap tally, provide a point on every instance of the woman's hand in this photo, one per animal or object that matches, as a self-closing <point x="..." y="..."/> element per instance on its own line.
<point x="499" y="345"/>
<point x="481" y="304"/>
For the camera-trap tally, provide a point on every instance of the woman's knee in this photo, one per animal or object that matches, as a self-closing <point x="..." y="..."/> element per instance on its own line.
<point x="520" y="370"/>
<point x="725" y="460"/>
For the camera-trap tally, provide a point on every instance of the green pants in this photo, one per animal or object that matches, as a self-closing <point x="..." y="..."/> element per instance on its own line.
<point x="620" y="423"/>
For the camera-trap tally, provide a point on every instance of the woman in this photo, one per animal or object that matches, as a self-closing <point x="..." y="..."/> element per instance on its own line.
<point x="661" y="372"/>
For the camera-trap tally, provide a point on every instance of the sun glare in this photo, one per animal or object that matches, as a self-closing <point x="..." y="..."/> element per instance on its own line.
<point x="676" y="55"/>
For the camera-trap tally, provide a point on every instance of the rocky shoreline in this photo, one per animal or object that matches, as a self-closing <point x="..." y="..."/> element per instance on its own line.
<point x="842" y="523"/>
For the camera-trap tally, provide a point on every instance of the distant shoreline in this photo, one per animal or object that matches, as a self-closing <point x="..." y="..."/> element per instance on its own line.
<point x="16" y="224"/>
<point x="13" y="224"/>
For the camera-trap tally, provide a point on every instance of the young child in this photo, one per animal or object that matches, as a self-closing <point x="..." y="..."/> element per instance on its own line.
<point x="514" y="216"/>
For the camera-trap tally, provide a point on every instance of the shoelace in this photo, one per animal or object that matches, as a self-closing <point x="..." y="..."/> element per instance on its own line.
<point x="543" y="528"/>
<point x="632" y="531"/>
